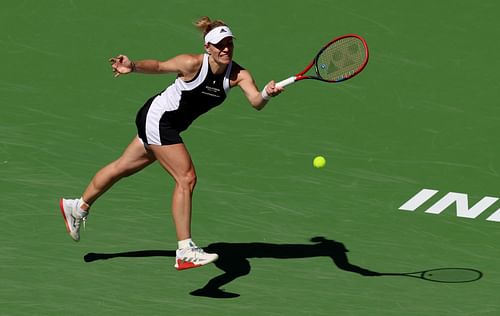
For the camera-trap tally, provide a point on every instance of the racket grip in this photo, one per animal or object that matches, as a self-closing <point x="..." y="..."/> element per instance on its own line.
<point x="286" y="82"/>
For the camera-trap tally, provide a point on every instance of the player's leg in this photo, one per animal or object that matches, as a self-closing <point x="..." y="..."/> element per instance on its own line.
<point x="177" y="161"/>
<point x="134" y="158"/>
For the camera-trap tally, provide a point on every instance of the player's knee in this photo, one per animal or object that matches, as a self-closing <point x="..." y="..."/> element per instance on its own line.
<point x="187" y="181"/>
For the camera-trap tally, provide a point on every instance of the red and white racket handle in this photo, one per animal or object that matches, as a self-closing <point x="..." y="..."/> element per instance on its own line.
<point x="286" y="82"/>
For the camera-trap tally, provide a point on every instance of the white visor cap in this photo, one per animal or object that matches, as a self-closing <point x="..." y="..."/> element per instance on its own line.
<point x="218" y="34"/>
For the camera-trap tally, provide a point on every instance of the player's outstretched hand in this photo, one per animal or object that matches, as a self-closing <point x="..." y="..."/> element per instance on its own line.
<point x="121" y="65"/>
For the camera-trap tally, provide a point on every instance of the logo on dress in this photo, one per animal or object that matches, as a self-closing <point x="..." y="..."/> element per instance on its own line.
<point x="212" y="91"/>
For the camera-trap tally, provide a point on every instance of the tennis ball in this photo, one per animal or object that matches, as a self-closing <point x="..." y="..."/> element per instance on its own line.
<point x="319" y="162"/>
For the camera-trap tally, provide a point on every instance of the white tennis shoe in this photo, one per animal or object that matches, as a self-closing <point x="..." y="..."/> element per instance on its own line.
<point x="73" y="217"/>
<point x="193" y="257"/>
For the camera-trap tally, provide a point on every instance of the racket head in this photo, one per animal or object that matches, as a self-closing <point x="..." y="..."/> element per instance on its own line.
<point x="341" y="59"/>
<point x="452" y="275"/>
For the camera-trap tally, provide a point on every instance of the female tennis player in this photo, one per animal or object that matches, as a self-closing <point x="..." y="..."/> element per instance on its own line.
<point x="203" y="82"/>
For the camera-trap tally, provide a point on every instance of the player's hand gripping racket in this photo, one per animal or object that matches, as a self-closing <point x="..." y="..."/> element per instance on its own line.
<point x="339" y="60"/>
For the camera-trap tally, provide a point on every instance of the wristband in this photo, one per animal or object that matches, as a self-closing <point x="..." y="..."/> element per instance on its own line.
<point x="264" y="95"/>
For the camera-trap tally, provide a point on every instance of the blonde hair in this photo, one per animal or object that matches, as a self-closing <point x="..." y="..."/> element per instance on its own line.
<point x="205" y="24"/>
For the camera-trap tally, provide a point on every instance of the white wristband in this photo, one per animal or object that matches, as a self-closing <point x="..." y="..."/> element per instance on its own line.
<point x="264" y="95"/>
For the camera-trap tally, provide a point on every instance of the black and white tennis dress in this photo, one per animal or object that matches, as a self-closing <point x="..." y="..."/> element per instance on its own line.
<point x="164" y="116"/>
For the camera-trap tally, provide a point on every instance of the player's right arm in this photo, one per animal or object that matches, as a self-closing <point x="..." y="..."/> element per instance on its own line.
<point x="186" y="66"/>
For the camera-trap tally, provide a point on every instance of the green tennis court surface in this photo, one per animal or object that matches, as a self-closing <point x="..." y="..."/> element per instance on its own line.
<point x="424" y="114"/>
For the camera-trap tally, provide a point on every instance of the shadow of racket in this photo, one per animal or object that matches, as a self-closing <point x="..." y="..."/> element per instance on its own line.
<point x="443" y="275"/>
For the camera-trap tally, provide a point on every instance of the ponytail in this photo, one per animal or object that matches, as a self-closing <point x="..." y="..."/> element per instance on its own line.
<point x="205" y="24"/>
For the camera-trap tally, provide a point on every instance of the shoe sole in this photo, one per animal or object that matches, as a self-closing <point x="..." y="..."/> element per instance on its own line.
<point x="61" y="206"/>
<point x="184" y="265"/>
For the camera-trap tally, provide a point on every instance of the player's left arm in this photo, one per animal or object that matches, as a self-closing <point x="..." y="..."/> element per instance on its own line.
<point x="258" y="99"/>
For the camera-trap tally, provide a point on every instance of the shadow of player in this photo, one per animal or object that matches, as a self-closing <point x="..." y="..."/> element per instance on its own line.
<point x="234" y="259"/>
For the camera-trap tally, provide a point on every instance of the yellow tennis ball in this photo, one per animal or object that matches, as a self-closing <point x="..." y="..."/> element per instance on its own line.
<point x="319" y="162"/>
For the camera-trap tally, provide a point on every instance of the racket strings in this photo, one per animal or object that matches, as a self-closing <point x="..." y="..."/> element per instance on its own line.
<point x="341" y="59"/>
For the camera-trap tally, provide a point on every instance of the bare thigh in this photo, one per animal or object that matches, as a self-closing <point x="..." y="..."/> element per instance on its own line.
<point x="135" y="158"/>
<point x="176" y="160"/>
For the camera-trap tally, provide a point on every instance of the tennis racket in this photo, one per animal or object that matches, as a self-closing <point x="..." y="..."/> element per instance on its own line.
<point x="444" y="275"/>
<point x="339" y="60"/>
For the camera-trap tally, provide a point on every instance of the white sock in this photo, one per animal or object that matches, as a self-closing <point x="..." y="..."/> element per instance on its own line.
<point x="186" y="243"/>
<point x="85" y="208"/>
